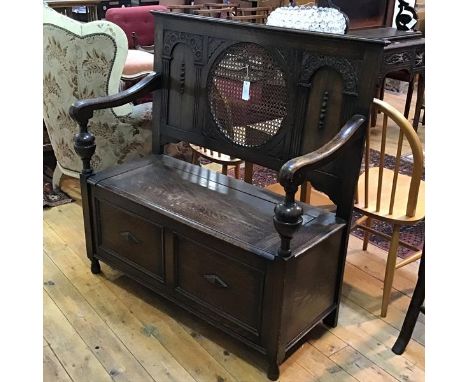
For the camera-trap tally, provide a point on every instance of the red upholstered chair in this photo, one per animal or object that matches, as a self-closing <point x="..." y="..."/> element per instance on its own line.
<point x="137" y="23"/>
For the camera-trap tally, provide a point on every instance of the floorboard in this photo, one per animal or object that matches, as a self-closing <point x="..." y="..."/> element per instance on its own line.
<point x="77" y="359"/>
<point x="52" y="368"/>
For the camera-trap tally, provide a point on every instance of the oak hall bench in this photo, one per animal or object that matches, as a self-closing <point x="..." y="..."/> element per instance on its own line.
<point x="263" y="268"/>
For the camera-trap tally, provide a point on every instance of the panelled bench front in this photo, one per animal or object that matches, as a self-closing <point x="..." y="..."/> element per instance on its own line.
<point x="263" y="268"/>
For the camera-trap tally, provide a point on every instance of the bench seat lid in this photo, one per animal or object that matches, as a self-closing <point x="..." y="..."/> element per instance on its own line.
<point x="221" y="206"/>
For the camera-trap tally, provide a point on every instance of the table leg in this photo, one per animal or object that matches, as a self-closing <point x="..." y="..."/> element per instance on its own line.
<point x="373" y="113"/>
<point x="409" y="97"/>
<point x="419" y="101"/>
<point x="248" y="172"/>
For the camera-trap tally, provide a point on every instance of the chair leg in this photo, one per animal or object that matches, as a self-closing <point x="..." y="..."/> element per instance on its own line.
<point x="366" y="234"/>
<point x="56" y="178"/>
<point x="248" y="174"/>
<point x="390" y="269"/>
<point x="413" y="312"/>
<point x="306" y="188"/>
<point x="237" y="171"/>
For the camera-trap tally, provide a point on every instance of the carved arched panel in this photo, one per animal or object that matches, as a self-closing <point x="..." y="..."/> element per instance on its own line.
<point x="182" y="77"/>
<point x="323" y="110"/>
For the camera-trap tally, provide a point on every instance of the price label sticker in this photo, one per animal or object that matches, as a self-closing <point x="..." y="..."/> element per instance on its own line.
<point x="246" y="91"/>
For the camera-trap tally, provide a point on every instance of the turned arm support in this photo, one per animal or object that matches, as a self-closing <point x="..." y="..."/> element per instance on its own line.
<point x="288" y="214"/>
<point x="82" y="111"/>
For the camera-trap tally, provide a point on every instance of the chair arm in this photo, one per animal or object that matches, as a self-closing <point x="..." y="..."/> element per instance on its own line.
<point x="82" y="111"/>
<point x="288" y="214"/>
<point x="292" y="172"/>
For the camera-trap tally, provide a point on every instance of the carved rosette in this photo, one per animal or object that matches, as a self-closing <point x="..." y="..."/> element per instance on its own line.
<point x="194" y="41"/>
<point x="419" y="59"/>
<point x="347" y="68"/>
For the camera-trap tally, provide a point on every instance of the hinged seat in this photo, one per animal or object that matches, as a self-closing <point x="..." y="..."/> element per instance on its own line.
<point x="223" y="207"/>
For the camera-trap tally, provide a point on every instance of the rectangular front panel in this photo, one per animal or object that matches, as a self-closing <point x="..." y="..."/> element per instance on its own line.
<point x="130" y="238"/>
<point x="311" y="286"/>
<point x="227" y="287"/>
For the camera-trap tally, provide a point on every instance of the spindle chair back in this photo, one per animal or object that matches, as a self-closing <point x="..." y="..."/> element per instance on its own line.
<point x="387" y="195"/>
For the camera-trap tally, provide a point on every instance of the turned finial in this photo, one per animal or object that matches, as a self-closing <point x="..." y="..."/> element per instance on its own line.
<point x="85" y="147"/>
<point x="287" y="220"/>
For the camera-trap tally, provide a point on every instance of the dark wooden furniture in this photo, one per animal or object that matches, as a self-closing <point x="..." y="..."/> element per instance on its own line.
<point x="105" y="5"/>
<point x="416" y="306"/>
<point x="182" y="8"/>
<point x="222" y="12"/>
<point x="403" y="58"/>
<point x="367" y="13"/>
<point x="65" y="6"/>
<point x="263" y="268"/>
<point x="139" y="3"/>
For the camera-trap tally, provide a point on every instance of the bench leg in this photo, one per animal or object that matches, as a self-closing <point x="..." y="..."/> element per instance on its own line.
<point x="95" y="266"/>
<point x="331" y="320"/>
<point x="273" y="371"/>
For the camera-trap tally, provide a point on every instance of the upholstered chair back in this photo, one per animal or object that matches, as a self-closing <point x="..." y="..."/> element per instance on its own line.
<point x="136" y="20"/>
<point x="85" y="60"/>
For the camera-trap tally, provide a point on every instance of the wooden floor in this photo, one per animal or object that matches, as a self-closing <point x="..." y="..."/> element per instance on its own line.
<point x="107" y="327"/>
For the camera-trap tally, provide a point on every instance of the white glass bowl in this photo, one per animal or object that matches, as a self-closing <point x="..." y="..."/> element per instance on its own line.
<point x="314" y="19"/>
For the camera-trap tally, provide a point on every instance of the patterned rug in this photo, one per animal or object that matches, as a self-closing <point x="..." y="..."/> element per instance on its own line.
<point x="52" y="198"/>
<point x="414" y="235"/>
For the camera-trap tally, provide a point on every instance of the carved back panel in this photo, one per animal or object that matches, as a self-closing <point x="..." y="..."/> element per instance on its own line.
<point x="260" y="93"/>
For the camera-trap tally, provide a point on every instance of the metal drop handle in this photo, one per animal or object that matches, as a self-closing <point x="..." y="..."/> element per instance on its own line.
<point x="215" y="280"/>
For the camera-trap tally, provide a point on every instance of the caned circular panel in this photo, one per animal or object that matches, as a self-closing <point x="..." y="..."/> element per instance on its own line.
<point x="247" y="94"/>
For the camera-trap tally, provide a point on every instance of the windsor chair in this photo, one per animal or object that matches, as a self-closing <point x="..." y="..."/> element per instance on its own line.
<point x="386" y="195"/>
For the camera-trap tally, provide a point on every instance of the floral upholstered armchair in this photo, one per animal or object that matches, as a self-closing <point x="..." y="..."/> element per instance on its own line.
<point x="81" y="61"/>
